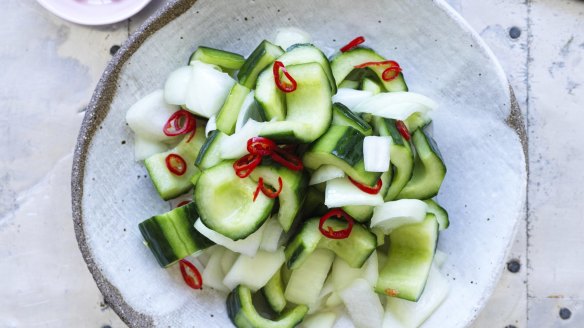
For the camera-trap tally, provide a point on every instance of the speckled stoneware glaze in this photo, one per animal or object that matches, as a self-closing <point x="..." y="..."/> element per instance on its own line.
<point x="477" y="126"/>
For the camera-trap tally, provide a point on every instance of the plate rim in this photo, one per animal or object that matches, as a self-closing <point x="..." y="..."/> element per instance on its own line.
<point x="99" y="107"/>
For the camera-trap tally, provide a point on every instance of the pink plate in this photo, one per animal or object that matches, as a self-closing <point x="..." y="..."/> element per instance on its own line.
<point x="94" y="12"/>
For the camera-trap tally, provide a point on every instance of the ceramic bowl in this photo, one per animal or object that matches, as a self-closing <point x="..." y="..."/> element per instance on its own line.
<point x="477" y="126"/>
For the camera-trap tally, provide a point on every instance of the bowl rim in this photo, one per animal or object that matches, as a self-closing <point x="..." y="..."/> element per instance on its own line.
<point x="99" y="107"/>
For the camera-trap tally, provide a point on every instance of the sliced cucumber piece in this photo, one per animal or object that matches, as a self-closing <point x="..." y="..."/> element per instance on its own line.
<point x="401" y="155"/>
<point x="227" y="116"/>
<point x="440" y="213"/>
<point x="243" y="314"/>
<point x="349" y="84"/>
<point x="274" y="292"/>
<point x="171" y="236"/>
<point x="210" y="153"/>
<point x="272" y="101"/>
<point x="314" y="204"/>
<point x="344" y="63"/>
<point x="345" y="117"/>
<point x="225" y="202"/>
<point x="303" y="244"/>
<point x="168" y="184"/>
<point x="309" y="107"/>
<point x="341" y="146"/>
<point x="264" y="55"/>
<point x="363" y="213"/>
<point x="224" y="59"/>
<point x="371" y="86"/>
<point x="291" y="198"/>
<point x="416" y="121"/>
<point x="409" y="260"/>
<point x="254" y="272"/>
<point x="429" y="170"/>
<point x="307" y="53"/>
<point x="307" y="280"/>
<point x="356" y="248"/>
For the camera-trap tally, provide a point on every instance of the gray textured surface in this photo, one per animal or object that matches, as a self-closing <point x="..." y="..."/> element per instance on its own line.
<point x="62" y="62"/>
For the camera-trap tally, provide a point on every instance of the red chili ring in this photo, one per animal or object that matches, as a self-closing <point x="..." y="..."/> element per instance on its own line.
<point x="329" y="232"/>
<point x="245" y="165"/>
<point x="390" y="63"/>
<point x="173" y="127"/>
<point x="259" y="187"/>
<point x="287" y="159"/>
<point x="194" y="279"/>
<point x="355" y="42"/>
<point x="279" y="66"/>
<point x="260" y="146"/>
<point x="394" y="70"/>
<point x="176" y="164"/>
<point x="183" y="203"/>
<point x="269" y="192"/>
<point x="403" y="129"/>
<point x="370" y="190"/>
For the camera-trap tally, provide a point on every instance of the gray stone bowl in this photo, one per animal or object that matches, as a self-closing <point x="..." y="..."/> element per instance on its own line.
<point x="478" y="128"/>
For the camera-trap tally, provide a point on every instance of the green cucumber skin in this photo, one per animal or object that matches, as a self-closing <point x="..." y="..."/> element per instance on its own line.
<point x="265" y="54"/>
<point x="224" y="59"/>
<point x="227" y="116"/>
<point x="243" y="314"/>
<point x="344" y="116"/>
<point x="183" y="220"/>
<point x="271" y="101"/>
<point x="440" y="213"/>
<point x="343" y="64"/>
<point x="409" y="259"/>
<point x="274" y="292"/>
<point x="209" y="155"/>
<point x="290" y="57"/>
<point x="429" y="169"/>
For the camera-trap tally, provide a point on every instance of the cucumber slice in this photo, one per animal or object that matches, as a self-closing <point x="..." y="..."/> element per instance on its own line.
<point x="243" y="314"/>
<point x="272" y="101"/>
<point x="307" y="281"/>
<point x="224" y="59"/>
<point x="291" y="198"/>
<point x="363" y="213"/>
<point x="416" y="121"/>
<point x="349" y="84"/>
<point x="210" y="153"/>
<point x="307" y="53"/>
<point x="227" y="116"/>
<point x="254" y="272"/>
<point x="314" y="204"/>
<point x="409" y="260"/>
<point x="401" y="155"/>
<point x="344" y="63"/>
<point x="371" y="86"/>
<point x="345" y="117"/>
<point x="341" y="146"/>
<point x="303" y="244"/>
<point x="429" y="170"/>
<point x="225" y="202"/>
<point x="309" y="107"/>
<point x="264" y="55"/>
<point x="167" y="183"/>
<point x="439" y="212"/>
<point x="171" y="236"/>
<point x="274" y="292"/>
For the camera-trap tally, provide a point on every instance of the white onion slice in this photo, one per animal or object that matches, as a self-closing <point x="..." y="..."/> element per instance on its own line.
<point x="175" y="87"/>
<point x="211" y="125"/>
<point x="394" y="214"/>
<point x="285" y="37"/>
<point x="342" y="192"/>
<point x="213" y="274"/>
<point x="254" y="272"/>
<point x="271" y="237"/>
<point x="249" y="110"/>
<point x="396" y="105"/>
<point x="144" y="148"/>
<point x="235" y="145"/>
<point x="248" y="246"/>
<point x="376" y="153"/>
<point x="320" y="320"/>
<point x="351" y="97"/>
<point x="363" y="304"/>
<point x="207" y="89"/>
<point x="325" y="173"/>
<point x="148" y="116"/>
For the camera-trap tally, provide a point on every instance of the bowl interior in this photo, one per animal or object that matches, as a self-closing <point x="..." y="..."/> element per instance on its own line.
<point x="484" y="190"/>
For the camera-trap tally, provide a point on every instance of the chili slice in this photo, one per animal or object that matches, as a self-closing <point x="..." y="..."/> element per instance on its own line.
<point x="260" y="146"/>
<point x="191" y="275"/>
<point x="285" y="87"/>
<point x="370" y="190"/>
<point x="355" y="42"/>
<point x="260" y="187"/>
<point x="245" y="165"/>
<point x="403" y="129"/>
<point x="181" y="122"/>
<point x="176" y="164"/>
<point x="183" y="203"/>
<point x="329" y="232"/>
<point x="269" y="192"/>
<point x="389" y="73"/>
<point x="389" y="63"/>
<point x="287" y="159"/>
